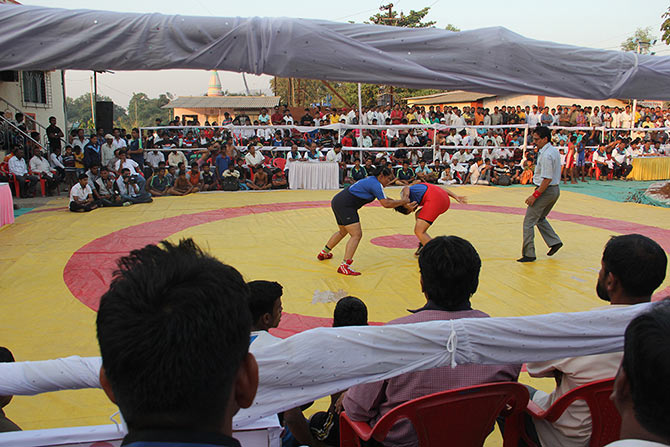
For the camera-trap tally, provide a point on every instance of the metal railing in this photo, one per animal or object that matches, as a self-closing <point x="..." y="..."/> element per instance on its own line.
<point x="7" y="124"/>
<point x="33" y="120"/>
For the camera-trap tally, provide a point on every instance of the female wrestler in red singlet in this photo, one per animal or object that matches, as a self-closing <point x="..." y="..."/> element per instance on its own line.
<point x="431" y="201"/>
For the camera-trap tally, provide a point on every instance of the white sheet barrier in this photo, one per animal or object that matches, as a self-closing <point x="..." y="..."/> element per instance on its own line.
<point x="321" y="361"/>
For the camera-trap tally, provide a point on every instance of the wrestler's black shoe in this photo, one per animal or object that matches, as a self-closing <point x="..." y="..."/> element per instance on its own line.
<point x="418" y="250"/>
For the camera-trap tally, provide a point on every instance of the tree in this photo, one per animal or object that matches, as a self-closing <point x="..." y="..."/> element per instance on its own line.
<point x="665" y="27"/>
<point x="412" y="20"/>
<point x="642" y="35"/>
<point x="143" y="111"/>
<point x="79" y="111"/>
<point x="451" y="27"/>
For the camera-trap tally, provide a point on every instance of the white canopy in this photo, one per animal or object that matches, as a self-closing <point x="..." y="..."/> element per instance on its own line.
<point x="489" y="60"/>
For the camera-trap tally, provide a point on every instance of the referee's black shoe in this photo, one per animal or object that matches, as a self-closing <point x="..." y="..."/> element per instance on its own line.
<point x="554" y="248"/>
<point x="526" y="259"/>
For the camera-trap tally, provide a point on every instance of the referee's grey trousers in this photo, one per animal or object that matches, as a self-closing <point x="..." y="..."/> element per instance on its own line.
<point x="536" y="215"/>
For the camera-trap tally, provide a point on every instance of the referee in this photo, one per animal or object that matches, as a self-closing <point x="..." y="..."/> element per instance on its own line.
<point x="546" y="178"/>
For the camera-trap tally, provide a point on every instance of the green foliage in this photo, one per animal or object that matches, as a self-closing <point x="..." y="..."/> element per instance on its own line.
<point x="412" y="20"/>
<point x="665" y="27"/>
<point x="640" y="35"/>
<point x="79" y="111"/>
<point x="143" y="111"/>
<point x="452" y="27"/>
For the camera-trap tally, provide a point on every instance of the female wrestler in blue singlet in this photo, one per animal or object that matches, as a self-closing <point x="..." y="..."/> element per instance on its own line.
<point x="345" y="206"/>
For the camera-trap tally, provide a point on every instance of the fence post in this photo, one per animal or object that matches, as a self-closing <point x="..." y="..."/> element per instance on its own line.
<point x="525" y="140"/>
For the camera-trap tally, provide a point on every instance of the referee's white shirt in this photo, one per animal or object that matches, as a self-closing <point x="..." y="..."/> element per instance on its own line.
<point x="548" y="165"/>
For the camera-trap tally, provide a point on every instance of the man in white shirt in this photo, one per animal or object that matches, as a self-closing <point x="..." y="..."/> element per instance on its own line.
<point x="254" y="159"/>
<point x="153" y="158"/>
<point x="365" y="140"/>
<point x="335" y="156"/>
<point x="176" y="157"/>
<point x="641" y="392"/>
<point x="454" y="138"/>
<point x="546" y="179"/>
<point x="18" y="167"/>
<point x="626" y="118"/>
<point x="533" y="118"/>
<point x="476" y="173"/>
<point x="81" y="196"/>
<point x="632" y="267"/>
<point x="107" y="150"/>
<point x="80" y="140"/>
<point x="41" y="167"/>
<point x="125" y="162"/>
<point x="119" y="141"/>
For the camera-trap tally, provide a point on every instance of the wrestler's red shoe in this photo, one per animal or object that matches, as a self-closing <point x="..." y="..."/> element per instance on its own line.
<point x="345" y="269"/>
<point x="322" y="256"/>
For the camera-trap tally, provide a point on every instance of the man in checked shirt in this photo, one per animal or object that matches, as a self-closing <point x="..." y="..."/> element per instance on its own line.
<point x="449" y="268"/>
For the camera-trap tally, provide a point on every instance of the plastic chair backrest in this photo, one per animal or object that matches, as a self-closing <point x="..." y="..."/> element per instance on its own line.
<point x="461" y="417"/>
<point x="605" y="419"/>
<point x="279" y="163"/>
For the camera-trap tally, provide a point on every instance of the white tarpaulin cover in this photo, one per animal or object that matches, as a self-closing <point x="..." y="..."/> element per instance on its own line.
<point x="319" y="362"/>
<point x="489" y="60"/>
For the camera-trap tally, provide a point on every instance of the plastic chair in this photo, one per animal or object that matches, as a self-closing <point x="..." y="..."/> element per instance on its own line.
<point x="461" y="417"/>
<point x="279" y="163"/>
<point x="605" y="419"/>
<point x="4" y="168"/>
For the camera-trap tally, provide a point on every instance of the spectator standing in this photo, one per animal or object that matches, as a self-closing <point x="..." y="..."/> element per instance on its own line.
<point x="107" y="151"/>
<point x="546" y="178"/>
<point x="135" y="152"/>
<point x="54" y="134"/>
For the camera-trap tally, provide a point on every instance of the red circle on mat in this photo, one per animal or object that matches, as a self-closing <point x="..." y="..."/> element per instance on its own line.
<point x="88" y="272"/>
<point x="396" y="241"/>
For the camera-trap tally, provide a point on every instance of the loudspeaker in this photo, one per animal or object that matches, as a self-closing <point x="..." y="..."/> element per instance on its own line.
<point x="104" y="115"/>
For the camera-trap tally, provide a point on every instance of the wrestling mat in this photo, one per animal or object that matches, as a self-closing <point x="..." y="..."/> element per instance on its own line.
<point x="54" y="266"/>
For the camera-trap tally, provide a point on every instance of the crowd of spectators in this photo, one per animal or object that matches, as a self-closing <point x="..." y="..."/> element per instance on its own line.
<point x="183" y="158"/>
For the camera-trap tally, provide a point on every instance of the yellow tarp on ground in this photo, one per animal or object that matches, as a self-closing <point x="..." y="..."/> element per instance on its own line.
<point x="42" y="319"/>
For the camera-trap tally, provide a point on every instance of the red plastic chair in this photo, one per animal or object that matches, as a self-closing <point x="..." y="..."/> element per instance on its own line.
<point x="605" y="419"/>
<point x="4" y="168"/>
<point x="461" y="417"/>
<point x="279" y="163"/>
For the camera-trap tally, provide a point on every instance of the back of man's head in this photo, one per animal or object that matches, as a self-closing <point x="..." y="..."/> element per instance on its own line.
<point x="262" y="298"/>
<point x="5" y="357"/>
<point x="350" y="311"/>
<point x="449" y="268"/>
<point x="638" y="263"/>
<point x="173" y="330"/>
<point x="646" y="364"/>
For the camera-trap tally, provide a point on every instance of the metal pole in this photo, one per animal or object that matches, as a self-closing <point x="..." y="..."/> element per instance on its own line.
<point x="92" y="106"/>
<point x="632" y="119"/>
<point x="360" y="114"/>
<point x="525" y="140"/>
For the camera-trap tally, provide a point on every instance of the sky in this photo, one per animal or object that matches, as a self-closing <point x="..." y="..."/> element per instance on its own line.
<point x="591" y="23"/>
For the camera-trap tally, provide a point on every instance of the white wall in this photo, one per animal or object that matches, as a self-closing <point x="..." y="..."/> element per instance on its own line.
<point x="11" y="91"/>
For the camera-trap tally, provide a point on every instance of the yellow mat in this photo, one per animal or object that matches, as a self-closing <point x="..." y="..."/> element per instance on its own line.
<point x="42" y="319"/>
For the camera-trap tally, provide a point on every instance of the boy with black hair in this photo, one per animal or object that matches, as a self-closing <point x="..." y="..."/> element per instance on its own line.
<point x="182" y="381"/>
<point x="641" y="390"/>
